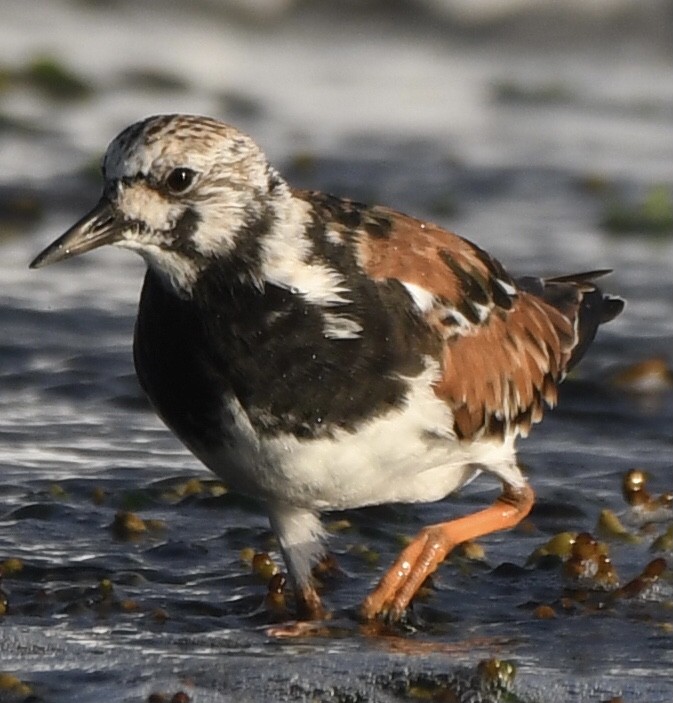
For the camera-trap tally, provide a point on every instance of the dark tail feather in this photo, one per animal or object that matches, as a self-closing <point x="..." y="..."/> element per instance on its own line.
<point x="580" y="300"/>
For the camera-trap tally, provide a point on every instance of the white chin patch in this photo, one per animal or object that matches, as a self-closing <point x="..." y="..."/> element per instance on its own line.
<point x="178" y="272"/>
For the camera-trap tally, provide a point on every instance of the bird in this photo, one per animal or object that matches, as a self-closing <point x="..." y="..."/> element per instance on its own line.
<point x="320" y="354"/>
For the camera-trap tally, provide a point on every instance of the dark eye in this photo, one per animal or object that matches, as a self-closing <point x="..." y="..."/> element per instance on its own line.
<point x="179" y="179"/>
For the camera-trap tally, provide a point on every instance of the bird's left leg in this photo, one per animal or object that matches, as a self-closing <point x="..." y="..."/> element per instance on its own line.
<point x="300" y="535"/>
<point x="433" y="543"/>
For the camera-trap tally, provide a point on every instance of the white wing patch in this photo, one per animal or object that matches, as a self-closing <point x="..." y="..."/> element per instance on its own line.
<point x="427" y="302"/>
<point x="424" y="299"/>
<point x="507" y="287"/>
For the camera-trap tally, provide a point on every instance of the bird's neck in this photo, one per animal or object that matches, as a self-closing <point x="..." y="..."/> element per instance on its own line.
<point x="257" y="244"/>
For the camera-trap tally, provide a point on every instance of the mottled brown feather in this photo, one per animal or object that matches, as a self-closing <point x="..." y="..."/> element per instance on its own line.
<point x="498" y="371"/>
<point x="413" y="251"/>
<point x="481" y="378"/>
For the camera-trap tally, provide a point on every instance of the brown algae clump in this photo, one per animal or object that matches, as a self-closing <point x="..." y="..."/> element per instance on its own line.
<point x="274" y="600"/>
<point x="264" y="566"/>
<point x="589" y="564"/>
<point x="610" y="526"/>
<point x="14" y="686"/>
<point x="639" y="585"/>
<point x="560" y="545"/>
<point x="636" y="495"/>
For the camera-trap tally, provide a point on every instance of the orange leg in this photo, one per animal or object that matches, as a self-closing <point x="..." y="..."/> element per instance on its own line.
<point x="431" y="546"/>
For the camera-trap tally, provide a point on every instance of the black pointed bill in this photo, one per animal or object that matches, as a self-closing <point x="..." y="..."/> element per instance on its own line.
<point x="98" y="227"/>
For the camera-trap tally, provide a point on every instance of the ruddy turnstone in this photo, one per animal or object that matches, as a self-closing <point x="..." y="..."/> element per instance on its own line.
<point x="319" y="354"/>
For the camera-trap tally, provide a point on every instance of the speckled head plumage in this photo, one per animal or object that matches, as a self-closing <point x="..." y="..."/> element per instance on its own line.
<point x="179" y="190"/>
<point x="160" y="143"/>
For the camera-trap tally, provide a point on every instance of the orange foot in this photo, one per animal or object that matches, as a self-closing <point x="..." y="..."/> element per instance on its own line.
<point x="430" y="547"/>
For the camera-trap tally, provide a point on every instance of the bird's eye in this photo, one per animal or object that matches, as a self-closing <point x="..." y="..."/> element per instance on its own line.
<point x="179" y="179"/>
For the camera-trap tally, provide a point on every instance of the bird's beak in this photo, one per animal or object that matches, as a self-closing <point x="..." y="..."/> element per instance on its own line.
<point x="98" y="227"/>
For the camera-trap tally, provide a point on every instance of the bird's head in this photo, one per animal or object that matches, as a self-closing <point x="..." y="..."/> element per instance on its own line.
<point x="180" y="190"/>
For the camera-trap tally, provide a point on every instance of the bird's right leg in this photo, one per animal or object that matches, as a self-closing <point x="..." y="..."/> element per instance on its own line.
<point x="300" y="535"/>
<point x="431" y="546"/>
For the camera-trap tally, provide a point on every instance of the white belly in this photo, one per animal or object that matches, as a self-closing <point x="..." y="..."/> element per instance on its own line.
<point x="408" y="455"/>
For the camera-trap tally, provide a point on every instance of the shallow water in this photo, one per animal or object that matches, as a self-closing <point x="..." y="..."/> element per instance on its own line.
<point x="410" y="118"/>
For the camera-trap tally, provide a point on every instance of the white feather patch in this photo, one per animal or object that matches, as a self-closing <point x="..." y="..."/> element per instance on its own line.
<point x="341" y="327"/>
<point x="507" y="287"/>
<point x="141" y="203"/>
<point x="334" y="236"/>
<point x="178" y="272"/>
<point x="285" y="261"/>
<point x="451" y="314"/>
<point x="423" y="298"/>
<point x="319" y="284"/>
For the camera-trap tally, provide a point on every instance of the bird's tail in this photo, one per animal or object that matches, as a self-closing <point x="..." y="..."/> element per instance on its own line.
<point x="579" y="299"/>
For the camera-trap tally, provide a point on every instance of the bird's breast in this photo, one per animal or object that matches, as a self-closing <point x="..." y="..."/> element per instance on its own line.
<point x="251" y="383"/>
<point x="172" y="365"/>
<point x="296" y="366"/>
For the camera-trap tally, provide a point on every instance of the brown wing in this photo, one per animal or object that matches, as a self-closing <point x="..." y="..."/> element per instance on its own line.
<point x="504" y="348"/>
